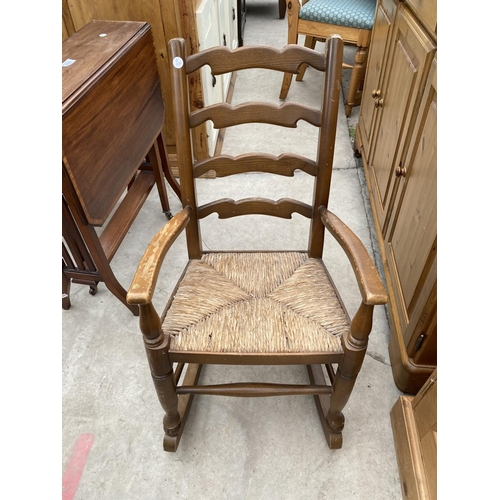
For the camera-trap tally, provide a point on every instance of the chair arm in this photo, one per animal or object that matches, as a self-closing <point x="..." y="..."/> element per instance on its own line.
<point x="142" y="287"/>
<point x="370" y="285"/>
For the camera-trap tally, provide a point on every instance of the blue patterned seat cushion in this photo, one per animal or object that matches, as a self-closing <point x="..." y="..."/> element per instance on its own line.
<point x="350" y="13"/>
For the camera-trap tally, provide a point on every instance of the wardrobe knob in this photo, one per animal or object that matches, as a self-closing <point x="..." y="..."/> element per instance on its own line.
<point x="400" y="171"/>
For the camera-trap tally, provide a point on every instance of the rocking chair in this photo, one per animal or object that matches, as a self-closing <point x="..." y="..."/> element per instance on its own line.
<point x="249" y="307"/>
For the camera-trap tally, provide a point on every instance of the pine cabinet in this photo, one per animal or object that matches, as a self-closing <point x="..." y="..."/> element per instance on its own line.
<point x="379" y="45"/>
<point x="397" y="139"/>
<point x="411" y="238"/>
<point x="414" y="427"/>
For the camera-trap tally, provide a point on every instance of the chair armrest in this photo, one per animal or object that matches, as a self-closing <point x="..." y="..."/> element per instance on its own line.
<point x="370" y="285"/>
<point x="142" y="287"/>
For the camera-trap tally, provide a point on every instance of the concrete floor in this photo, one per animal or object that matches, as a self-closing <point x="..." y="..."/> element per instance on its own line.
<point x="262" y="448"/>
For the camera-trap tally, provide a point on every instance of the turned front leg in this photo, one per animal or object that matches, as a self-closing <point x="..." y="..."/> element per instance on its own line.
<point x="354" y="344"/>
<point x="357" y="76"/>
<point x="293" y="8"/>
<point x="161" y="367"/>
<point x="310" y="43"/>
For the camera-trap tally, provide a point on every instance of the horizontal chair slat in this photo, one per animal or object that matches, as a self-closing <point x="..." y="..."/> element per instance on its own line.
<point x="285" y="165"/>
<point x="286" y="115"/>
<point x="255" y="390"/>
<point x="223" y="60"/>
<point x="227" y="208"/>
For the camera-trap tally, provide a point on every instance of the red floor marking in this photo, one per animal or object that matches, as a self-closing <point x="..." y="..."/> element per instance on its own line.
<point x="75" y="466"/>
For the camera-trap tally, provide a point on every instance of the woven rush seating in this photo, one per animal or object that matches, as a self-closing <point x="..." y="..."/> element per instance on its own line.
<point x="255" y="303"/>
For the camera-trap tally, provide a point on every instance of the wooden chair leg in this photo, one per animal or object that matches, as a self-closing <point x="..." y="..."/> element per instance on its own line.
<point x="161" y="368"/>
<point x="357" y="77"/>
<point x="282" y="8"/>
<point x="285" y="86"/>
<point x="310" y="42"/>
<point x="170" y="443"/>
<point x="316" y="377"/>
<point x="354" y="343"/>
<point x="293" y="8"/>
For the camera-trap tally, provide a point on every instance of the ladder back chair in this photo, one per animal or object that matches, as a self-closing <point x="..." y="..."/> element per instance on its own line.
<point x="249" y="307"/>
<point x="317" y="19"/>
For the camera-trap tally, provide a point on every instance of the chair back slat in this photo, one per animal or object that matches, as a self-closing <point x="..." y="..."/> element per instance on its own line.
<point x="286" y="115"/>
<point x="283" y="208"/>
<point x="223" y="60"/>
<point x="285" y="164"/>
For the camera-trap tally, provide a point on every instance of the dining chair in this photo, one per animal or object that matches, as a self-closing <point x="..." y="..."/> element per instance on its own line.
<point x="317" y="19"/>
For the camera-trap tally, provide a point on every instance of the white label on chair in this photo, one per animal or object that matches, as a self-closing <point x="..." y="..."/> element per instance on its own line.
<point x="178" y="62"/>
<point x="68" y="62"/>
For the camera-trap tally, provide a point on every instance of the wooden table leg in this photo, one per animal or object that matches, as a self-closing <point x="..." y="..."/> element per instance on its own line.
<point x="174" y="184"/>
<point x="154" y="158"/>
